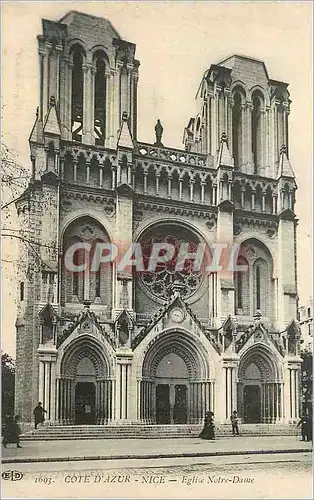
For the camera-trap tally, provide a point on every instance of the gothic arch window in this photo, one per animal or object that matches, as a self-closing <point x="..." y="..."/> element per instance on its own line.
<point x="257" y="131"/>
<point x="237" y="129"/>
<point x="254" y="287"/>
<point x="100" y="98"/>
<point x="89" y="284"/>
<point x="77" y="93"/>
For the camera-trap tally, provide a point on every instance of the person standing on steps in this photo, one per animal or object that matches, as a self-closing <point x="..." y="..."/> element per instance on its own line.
<point x="305" y="428"/>
<point x="39" y="414"/>
<point x="235" y="423"/>
<point x="208" y="431"/>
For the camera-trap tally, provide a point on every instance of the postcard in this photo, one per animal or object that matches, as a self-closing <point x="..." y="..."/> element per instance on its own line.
<point x="157" y="314"/>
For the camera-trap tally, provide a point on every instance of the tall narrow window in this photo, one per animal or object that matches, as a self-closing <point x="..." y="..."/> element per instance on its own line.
<point x="258" y="287"/>
<point x="256" y="133"/>
<point x="236" y="130"/>
<point x="77" y="94"/>
<point x="75" y="289"/>
<point x="21" y="291"/>
<point x="97" y="283"/>
<point x="100" y="102"/>
<point x="78" y="277"/>
<point x="239" y="291"/>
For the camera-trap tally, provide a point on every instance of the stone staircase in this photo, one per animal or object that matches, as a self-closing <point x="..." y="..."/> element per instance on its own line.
<point x="141" y="431"/>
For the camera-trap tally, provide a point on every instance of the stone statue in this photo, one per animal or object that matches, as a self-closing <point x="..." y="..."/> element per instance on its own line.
<point x="158" y="131"/>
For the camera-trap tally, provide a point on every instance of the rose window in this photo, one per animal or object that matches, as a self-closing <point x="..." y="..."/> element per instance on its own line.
<point x="159" y="282"/>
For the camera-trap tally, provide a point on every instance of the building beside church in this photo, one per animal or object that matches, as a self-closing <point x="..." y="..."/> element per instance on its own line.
<point x="167" y="345"/>
<point x="306" y="325"/>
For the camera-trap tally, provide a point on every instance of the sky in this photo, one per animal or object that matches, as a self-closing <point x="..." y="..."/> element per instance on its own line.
<point x="175" y="43"/>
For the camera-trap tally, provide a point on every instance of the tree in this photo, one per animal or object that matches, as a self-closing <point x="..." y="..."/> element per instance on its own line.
<point x="14" y="177"/>
<point x="307" y="380"/>
<point x="14" y="181"/>
<point x="8" y="384"/>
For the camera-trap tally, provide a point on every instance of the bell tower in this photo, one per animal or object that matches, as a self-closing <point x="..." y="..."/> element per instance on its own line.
<point x="92" y="74"/>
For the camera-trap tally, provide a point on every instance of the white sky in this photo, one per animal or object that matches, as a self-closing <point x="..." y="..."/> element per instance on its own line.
<point x="176" y="42"/>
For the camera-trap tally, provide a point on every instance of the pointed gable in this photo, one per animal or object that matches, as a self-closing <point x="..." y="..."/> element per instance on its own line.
<point x="125" y="138"/>
<point x="52" y="125"/>
<point x="224" y="156"/>
<point x="284" y="168"/>
<point x="162" y="319"/>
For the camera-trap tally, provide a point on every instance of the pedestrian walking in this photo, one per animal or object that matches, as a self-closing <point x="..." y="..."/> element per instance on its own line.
<point x="235" y="423"/>
<point x="12" y="431"/>
<point x="305" y="428"/>
<point x="39" y="414"/>
<point x="208" y="431"/>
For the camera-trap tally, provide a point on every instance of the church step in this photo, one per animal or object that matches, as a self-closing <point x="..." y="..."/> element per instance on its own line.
<point x="58" y="432"/>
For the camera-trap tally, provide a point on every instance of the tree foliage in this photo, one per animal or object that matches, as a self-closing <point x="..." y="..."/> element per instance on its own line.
<point x="8" y="383"/>
<point x="14" y="177"/>
<point x="307" y="380"/>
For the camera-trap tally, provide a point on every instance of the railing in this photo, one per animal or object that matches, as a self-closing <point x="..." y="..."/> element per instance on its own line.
<point x="172" y="155"/>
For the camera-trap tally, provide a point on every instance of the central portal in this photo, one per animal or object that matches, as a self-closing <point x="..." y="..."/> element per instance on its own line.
<point x="167" y="413"/>
<point x="172" y="391"/>
<point x="85" y="403"/>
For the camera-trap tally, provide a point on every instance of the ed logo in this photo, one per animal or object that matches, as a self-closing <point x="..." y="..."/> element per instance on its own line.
<point x="12" y="475"/>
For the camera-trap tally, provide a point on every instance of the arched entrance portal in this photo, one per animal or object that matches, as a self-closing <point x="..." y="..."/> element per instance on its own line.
<point x="172" y="383"/>
<point x="175" y="386"/>
<point x="85" y="388"/>
<point x="260" y="387"/>
<point x="85" y="393"/>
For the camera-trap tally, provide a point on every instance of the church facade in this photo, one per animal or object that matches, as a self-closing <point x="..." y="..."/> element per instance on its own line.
<point x="160" y="346"/>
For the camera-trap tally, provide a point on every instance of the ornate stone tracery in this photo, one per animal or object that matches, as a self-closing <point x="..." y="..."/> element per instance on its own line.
<point x="159" y="282"/>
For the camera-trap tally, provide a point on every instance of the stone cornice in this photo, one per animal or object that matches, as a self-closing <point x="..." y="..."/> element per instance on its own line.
<point x="242" y="217"/>
<point x="174" y="207"/>
<point x="105" y="198"/>
<point x="76" y="148"/>
<point x="254" y="178"/>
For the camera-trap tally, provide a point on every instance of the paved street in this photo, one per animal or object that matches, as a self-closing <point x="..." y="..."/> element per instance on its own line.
<point x="109" y="448"/>
<point x="249" y="476"/>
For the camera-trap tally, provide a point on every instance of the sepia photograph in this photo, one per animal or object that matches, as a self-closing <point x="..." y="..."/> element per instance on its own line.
<point x="156" y="249"/>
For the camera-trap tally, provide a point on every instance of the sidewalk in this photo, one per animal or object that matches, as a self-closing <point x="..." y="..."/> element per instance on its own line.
<point x="108" y="449"/>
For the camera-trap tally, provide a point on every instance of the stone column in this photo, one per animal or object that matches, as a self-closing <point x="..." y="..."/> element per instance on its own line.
<point x="47" y="379"/>
<point x="46" y="80"/>
<point x="124" y="405"/>
<point x="88" y="105"/>
<point x="180" y="188"/>
<point x="108" y="79"/>
<point x="263" y="201"/>
<point x="248" y="141"/>
<point x="253" y="199"/>
<point x="242" y="196"/>
<point x="68" y="100"/>
<point x="116" y="118"/>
